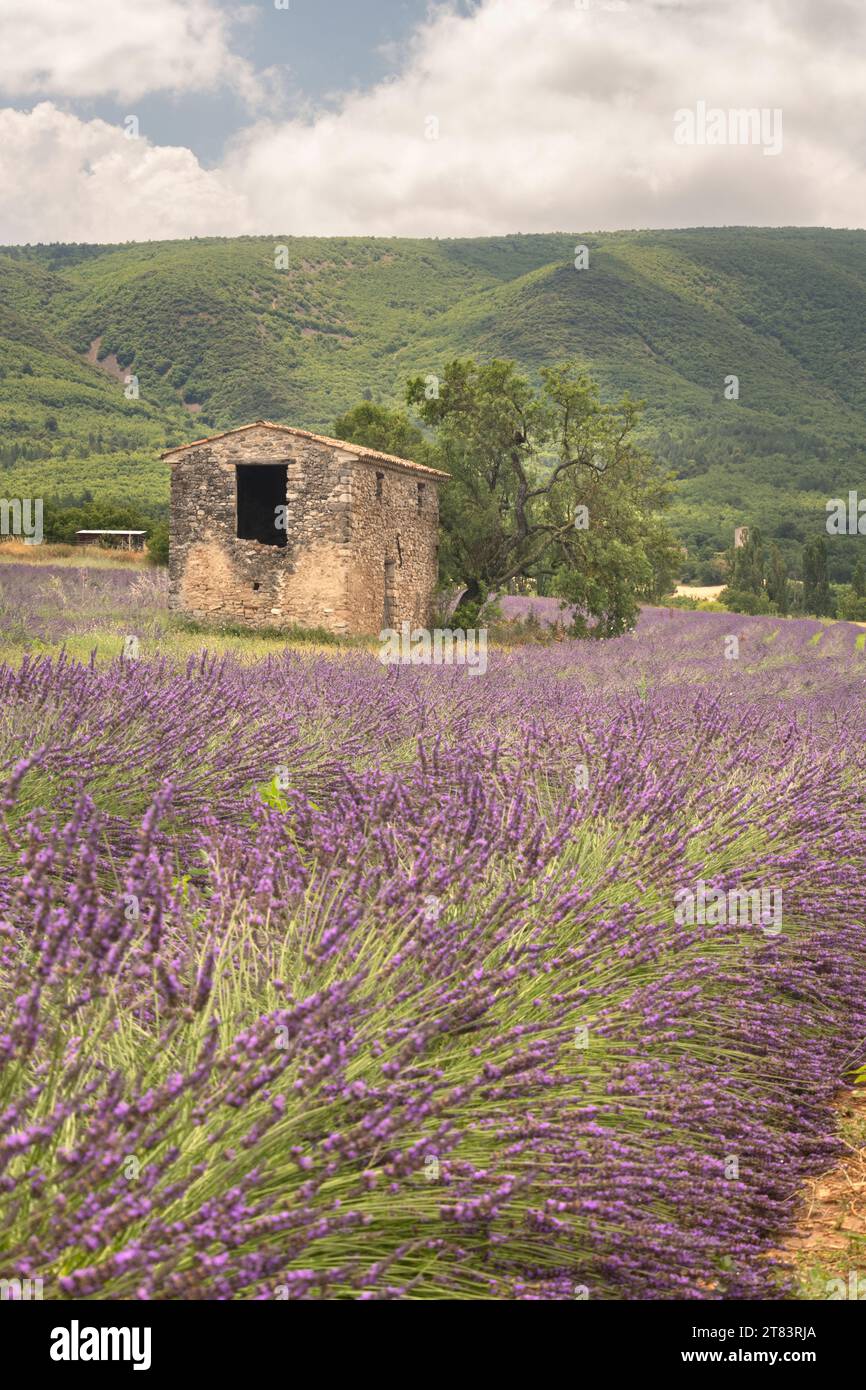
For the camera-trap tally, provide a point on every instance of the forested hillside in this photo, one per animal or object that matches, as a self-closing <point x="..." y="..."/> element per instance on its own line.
<point x="216" y="334"/>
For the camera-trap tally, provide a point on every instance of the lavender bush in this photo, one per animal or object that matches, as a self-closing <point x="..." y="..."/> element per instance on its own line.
<point x="321" y="979"/>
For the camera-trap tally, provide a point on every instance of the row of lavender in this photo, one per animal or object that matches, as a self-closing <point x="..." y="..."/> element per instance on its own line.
<point x="324" y="979"/>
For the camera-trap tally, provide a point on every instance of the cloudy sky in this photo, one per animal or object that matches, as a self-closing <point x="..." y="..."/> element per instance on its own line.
<point x="141" y="119"/>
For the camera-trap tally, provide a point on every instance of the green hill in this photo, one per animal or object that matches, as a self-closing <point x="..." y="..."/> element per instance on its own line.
<point x="216" y="335"/>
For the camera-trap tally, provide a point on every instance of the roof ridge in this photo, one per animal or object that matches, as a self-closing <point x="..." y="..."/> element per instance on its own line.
<point x="360" y="449"/>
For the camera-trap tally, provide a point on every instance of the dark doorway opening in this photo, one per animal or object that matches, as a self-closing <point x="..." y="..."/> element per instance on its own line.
<point x="261" y="490"/>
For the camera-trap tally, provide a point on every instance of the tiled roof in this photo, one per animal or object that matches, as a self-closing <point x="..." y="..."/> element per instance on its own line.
<point x="363" y="453"/>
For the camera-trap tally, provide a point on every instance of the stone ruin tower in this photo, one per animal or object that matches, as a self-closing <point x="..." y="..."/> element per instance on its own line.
<point x="273" y="526"/>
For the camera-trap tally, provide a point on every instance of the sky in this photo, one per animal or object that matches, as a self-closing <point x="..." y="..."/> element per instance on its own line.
<point x="129" y="120"/>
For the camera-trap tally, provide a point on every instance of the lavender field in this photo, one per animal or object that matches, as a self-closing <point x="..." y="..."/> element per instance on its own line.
<point x="321" y="979"/>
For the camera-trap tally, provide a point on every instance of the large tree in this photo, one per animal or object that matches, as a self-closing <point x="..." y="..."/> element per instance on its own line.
<point x="747" y="565"/>
<point x="777" y="580"/>
<point x="546" y="485"/>
<point x="817" y="597"/>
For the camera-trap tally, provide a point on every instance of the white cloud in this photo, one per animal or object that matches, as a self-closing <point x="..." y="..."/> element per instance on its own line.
<point x="117" y="48"/>
<point x="550" y="117"/>
<point x="86" y="181"/>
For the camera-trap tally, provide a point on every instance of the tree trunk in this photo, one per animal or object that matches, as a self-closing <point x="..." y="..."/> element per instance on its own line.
<point x="471" y="594"/>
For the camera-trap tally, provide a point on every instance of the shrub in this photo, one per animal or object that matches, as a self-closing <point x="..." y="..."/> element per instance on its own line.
<point x="157" y="544"/>
<point x="852" y="608"/>
<point x="739" y="601"/>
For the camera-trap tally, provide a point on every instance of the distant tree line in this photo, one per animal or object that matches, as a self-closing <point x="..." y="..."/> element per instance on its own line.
<point x="758" y="582"/>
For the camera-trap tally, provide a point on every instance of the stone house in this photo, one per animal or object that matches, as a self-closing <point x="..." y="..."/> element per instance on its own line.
<point x="272" y="526"/>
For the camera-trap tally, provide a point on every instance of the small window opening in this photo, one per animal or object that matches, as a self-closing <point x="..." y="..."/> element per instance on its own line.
<point x="389" y="606"/>
<point x="256" y="586"/>
<point x="261" y="490"/>
<point x="420" y="497"/>
<point x="380" y="478"/>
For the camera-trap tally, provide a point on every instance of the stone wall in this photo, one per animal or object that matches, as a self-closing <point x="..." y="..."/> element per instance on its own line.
<point x="342" y="539"/>
<point x="390" y="530"/>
